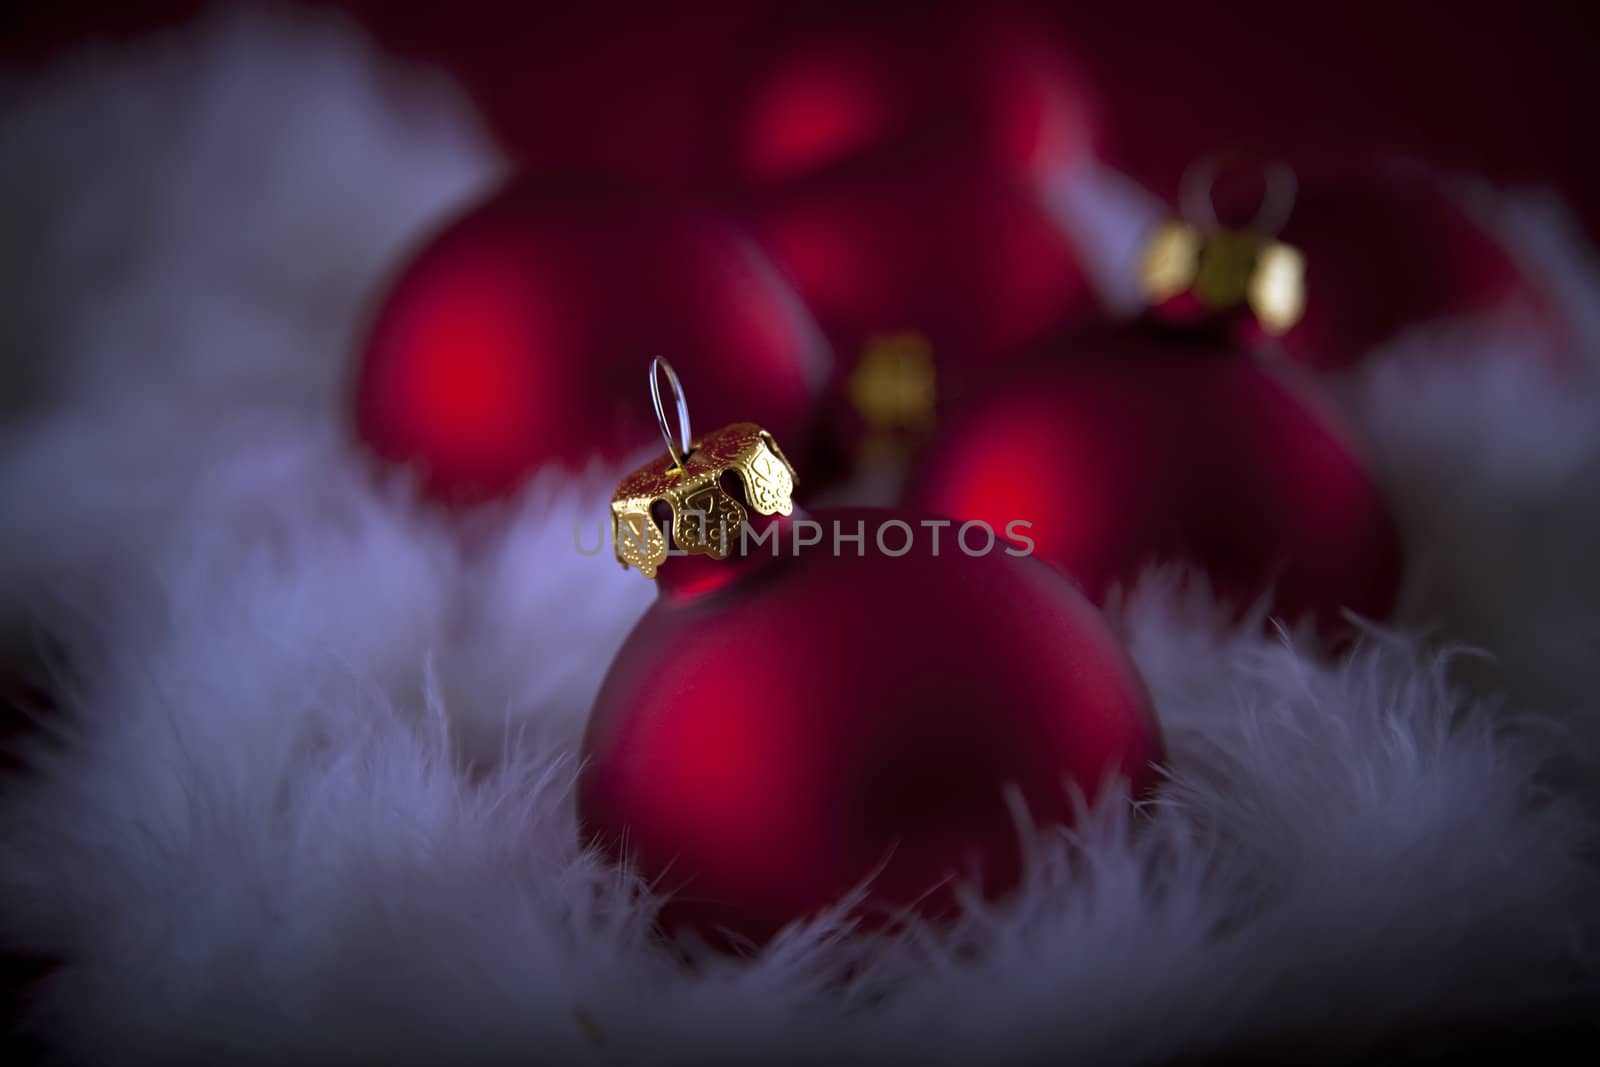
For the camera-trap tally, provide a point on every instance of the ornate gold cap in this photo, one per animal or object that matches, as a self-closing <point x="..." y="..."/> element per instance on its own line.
<point x="688" y="480"/>
<point x="1223" y="267"/>
<point x="894" y="386"/>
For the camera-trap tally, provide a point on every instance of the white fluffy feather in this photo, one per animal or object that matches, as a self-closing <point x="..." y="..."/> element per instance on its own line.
<point x="310" y="798"/>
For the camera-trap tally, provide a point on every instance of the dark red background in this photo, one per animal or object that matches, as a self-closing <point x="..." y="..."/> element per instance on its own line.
<point x="1495" y="88"/>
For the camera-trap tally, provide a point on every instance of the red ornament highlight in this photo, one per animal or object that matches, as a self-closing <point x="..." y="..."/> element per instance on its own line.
<point x="1140" y="447"/>
<point x="990" y="86"/>
<point x="958" y="262"/>
<point x="512" y="340"/>
<point x="853" y="714"/>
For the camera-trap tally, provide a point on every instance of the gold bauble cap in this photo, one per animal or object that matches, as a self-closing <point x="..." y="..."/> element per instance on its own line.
<point x="688" y="479"/>
<point x="1224" y="267"/>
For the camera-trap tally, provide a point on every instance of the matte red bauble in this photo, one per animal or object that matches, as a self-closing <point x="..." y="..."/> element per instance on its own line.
<point x="1138" y="446"/>
<point x="852" y="714"/>
<point x="1385" y="254"/>
<point x="827" y="87"/>
<point x="969" y="258"/>
<point x="513" y="339"/>
<point x="939" y="256"/>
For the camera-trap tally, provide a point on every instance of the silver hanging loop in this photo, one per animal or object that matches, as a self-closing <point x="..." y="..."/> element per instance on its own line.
<point x="677" y="448"/>
<point x="1198" y="202"/>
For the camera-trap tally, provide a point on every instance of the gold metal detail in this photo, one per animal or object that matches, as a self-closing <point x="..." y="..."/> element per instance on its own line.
<point x="1170" y="260"/>
<point x="1224" y="268"/>
<point x="894" y="387"/>
<point x="706" y="518"/>
<point x="1277" y="292"/>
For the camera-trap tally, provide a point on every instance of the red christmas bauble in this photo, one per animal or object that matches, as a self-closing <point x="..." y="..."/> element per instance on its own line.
<point x="960" y="261"/>
<point x="827" y="87"/>
<point x="1388" y="252"/>
<point x="853" y="714"/>
<point x="515" y="337"/>
<point x="970" y="258"/>
<point x="1138" y="446"/>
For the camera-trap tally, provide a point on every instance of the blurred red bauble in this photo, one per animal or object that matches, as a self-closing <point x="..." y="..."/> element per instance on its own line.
<point x="1387" y="253"/>
<point x="826" y="86"/>
<point x="962" y="261"/>
<point x="1138" y="446"/>
<point x="894" y="160"/>
<point x="515" y="338"/>
<point x="821" y="722"/>
<point x="967" y="257"/>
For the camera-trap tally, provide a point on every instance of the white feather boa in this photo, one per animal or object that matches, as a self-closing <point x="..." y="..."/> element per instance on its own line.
<point x="309" y="799"/>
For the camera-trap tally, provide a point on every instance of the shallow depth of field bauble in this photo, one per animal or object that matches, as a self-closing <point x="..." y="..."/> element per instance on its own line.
<point x="823" y="723"/>
<point x="515" y="338"/>
<point x="1137" y="445"/>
